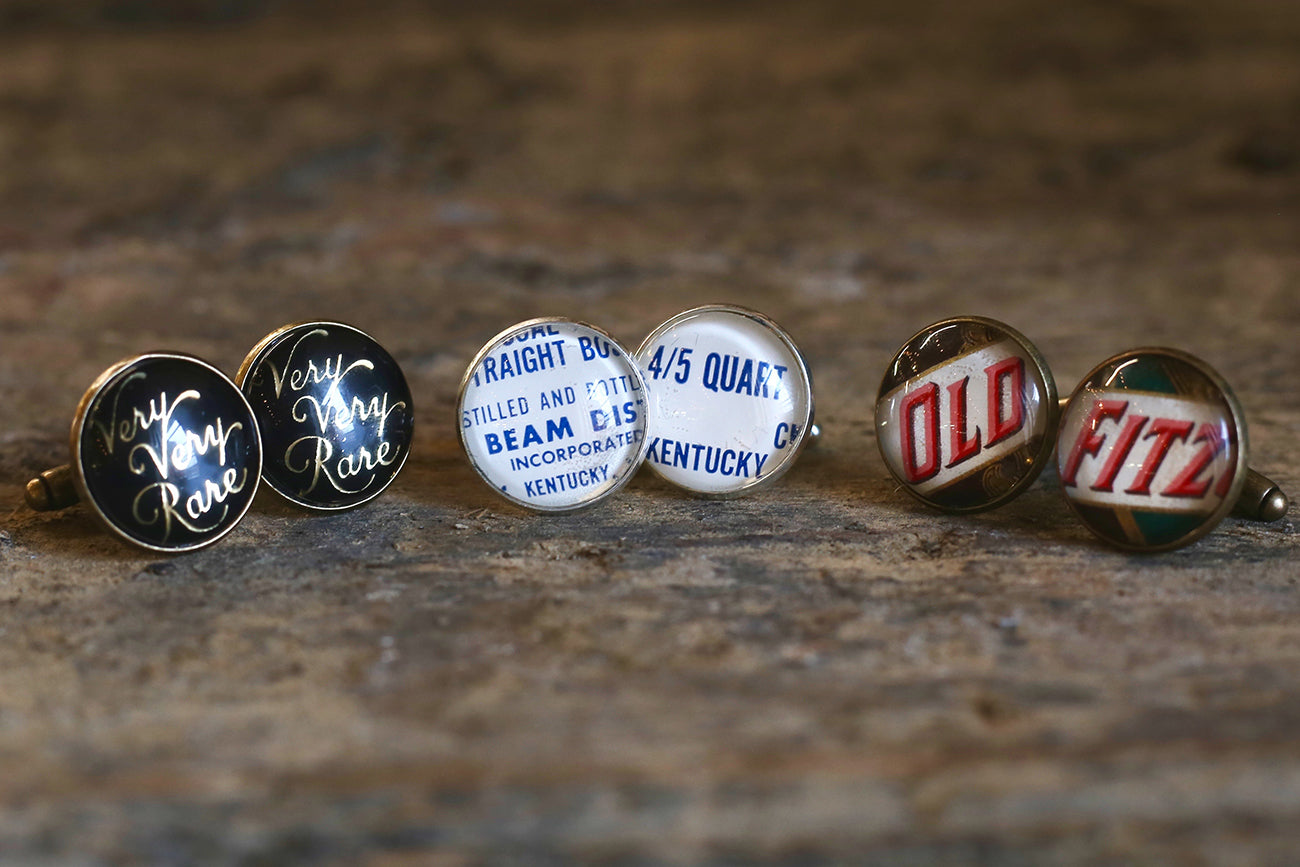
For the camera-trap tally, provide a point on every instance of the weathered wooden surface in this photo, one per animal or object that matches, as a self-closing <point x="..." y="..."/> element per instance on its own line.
<point x="824" y="670"/>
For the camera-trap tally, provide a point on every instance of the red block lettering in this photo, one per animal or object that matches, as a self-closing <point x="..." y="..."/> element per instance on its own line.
<point x="1119" y="454"/>
<point x="1165" y="430"/>
<point x="1185" y="484"/>
<point x="1089" y="443"/>
<point x="924" y="399"/>
<point x="1006" y="375"/>
<point x="962" y="448"/>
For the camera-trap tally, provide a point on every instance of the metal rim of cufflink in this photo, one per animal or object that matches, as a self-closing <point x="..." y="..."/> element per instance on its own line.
<point x="979" y="475"/>
<point x="789" y="435"/>
<point x="322" y="450"/>
<point x="479" y="406"/>
<point x="1199" y="408"/>
<point x="161" y="461"/>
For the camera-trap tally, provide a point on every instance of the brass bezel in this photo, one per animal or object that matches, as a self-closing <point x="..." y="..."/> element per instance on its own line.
<point x="264" y="346"/>
<point x="1243" y="451"/>
<point x="1044" y="455"/>
<point x="79" y="471"/>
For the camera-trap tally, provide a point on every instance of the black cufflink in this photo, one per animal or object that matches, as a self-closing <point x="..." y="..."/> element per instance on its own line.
<point x="335" y="414"/>
<point x="165" y="453"/>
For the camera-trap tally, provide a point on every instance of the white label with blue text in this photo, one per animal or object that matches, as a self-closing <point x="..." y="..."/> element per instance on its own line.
<point x="553" y="415"/>
<point x="728" y="401"/>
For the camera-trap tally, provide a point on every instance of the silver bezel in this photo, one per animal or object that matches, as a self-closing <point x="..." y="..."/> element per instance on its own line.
<point x="808" y="419"/>
<point x="464" y="386"/>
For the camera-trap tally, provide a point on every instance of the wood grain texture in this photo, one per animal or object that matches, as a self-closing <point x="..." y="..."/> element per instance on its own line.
<point x="823" y="672"/>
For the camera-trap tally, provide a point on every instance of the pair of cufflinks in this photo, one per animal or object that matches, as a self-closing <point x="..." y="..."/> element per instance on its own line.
<point x="557" y="415"/>
<point x="168" y="452"/>
<point x="1151" y="448"/>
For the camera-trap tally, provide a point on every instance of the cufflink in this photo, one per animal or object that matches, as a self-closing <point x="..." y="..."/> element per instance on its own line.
<point x="729" y="399"/>
<point x="165" y="453"/>
<point x="335" y="414"/>
<point x="552" y="414"/>
<point x="966" y="414"/>
<point x="1153" y="452"/>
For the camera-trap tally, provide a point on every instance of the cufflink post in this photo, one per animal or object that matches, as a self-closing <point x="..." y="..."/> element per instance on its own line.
<point x="52" y="489"/>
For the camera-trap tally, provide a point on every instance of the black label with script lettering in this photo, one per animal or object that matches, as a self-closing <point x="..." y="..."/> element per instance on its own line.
<point x="335" y="414"/>
<point x="169" y="453"/>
